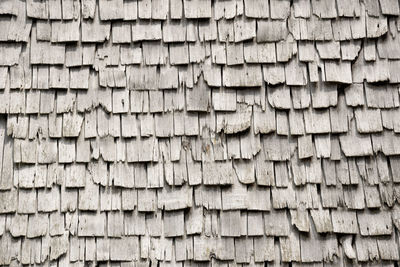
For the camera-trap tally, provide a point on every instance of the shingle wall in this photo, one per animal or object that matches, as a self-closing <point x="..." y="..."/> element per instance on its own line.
<point x="199" y="132"/>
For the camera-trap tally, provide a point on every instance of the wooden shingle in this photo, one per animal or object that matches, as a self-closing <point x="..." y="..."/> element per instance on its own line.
<point x="348" y="8"/>
<point x="271" y="31"/>
<point x="324" y="8"/>
<point x="279" y="9"/>
<point x="256" y="9"/>
<point x="37" y="9"/>
<point x="389" y="7"/>
<point x="197" y="8"/>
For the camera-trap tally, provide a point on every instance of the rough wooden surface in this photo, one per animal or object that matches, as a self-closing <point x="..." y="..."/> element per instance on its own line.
<point x="199" y="132"/>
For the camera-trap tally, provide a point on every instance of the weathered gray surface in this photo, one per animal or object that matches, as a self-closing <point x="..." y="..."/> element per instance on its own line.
<point x="199" y="132"/>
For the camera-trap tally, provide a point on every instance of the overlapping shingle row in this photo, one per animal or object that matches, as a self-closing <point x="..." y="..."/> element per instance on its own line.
<point x="199" y="132"/>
